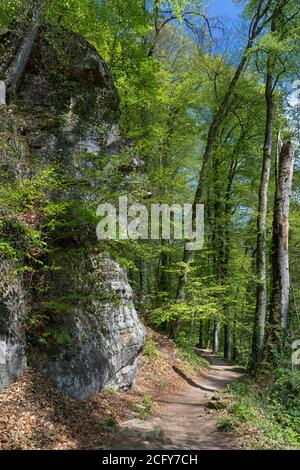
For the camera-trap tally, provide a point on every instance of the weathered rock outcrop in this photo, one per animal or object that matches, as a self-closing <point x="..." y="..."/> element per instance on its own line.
<point x="103" y="337"/>
<point x="73" y="99"/>
<point x="13" y="309"/>
<point x="70" y="110"/>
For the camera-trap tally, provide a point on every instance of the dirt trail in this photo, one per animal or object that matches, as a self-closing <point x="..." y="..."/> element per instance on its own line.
<point x="185" y="422"/>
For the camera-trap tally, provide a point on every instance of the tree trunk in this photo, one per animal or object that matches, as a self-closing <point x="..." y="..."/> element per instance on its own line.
<point x="192" y="327"/>
<point x="201" y="335"/>
<point x="226" y="252"/>
<point x="17" y="66"/>
<point x="261" y="255"/>
<point x="234" y="340"/>
<point x="261" y="287"/>
<point x="280" y="258"/>
<point x="208" y="334"/>
<point x="216" y="342"/>
<point x="227" y="342"/>
<point x="175" y="326"/>
<point x="164" y="283"/>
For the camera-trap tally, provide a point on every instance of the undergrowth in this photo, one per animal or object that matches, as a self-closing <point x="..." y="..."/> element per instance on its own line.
<point x="192" y="361"/>
<point x="144" y="407"/>
<point x="271" y="422"/>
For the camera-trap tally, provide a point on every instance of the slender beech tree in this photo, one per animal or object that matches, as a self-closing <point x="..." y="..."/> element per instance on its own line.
<point x="226" y="245"/>
<point x="261" y="255"/>
<point x="278" y="29"/>
<point x="280" y="259"/>
<point x="217" y="240"/>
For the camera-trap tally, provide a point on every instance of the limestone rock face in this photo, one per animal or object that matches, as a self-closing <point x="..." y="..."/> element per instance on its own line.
<point x="104" y="336"/>
<point x="13" y="309"/>
<point x="70" y="110"/>
<point x="73" y="98"/>
<point x="13" y="296"/>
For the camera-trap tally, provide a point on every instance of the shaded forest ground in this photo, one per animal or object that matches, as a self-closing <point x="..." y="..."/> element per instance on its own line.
<point x="33" y="415"/>
<point x="188" y="418"/>
<point x="175" y="387"/>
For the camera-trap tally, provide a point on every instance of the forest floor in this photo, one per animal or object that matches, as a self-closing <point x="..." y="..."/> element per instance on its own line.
<point x="187" y="418"/>
<point x="175" y="404"/>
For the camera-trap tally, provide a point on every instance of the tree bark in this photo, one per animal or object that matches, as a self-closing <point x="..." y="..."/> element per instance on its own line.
<point x="164" y="283"/>
<point x="18" y="64"/>
<point x="234" y="340"/>
<point x="201" y="335"/>
<point x="261" y="256"/>
<point x="227" y="341"/>
<point x="192" y="327"/>
<point x="280" y="258"/>
<point x="226" y="250"/>
<point x="216" y="338"/>
<point x="142" y="286"/>
<point x="208" y="337"/>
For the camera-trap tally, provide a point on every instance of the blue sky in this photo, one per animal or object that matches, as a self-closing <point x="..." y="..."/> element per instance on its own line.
<point x="229" y="34"/>
<point x="224" y="8"/>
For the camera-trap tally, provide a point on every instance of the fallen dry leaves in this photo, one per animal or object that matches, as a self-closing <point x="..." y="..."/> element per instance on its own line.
<point x="34" y="415"/>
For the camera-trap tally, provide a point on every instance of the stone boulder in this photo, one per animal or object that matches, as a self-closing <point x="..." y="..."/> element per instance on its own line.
<point x="92" y="336"/>
<point x="13" y="309"/>
<point x="104" y="336"/>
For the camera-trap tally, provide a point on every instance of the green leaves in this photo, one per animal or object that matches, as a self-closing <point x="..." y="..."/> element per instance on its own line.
<point x="8" y="12"/>
<point x="7" y="250"/>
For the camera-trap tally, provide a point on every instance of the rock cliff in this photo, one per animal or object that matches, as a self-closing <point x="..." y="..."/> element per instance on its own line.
<point x="70" y="110"/>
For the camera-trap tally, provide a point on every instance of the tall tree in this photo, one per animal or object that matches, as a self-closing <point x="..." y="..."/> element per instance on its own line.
<point x="280" y="258"/>
<point x="279" y="25"/>
<point x="261" y="255"/>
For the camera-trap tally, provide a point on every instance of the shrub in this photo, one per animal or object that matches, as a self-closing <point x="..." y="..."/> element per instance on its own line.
<point x="150" y="349"/>
<point x="228" y="423"/>
<point x="144" y="408"/>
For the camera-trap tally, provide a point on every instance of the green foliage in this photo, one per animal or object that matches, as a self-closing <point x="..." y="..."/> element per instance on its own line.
<point x="187" y="354"/>
<point x="110" y="391"/>
<point x="24" y="212"/>
<point x="144" y="408"/>
<point x="41" y="332"/>
<point x="286" y="390"/>
<point x="150" y="348"/>
<point x="7" y="250"/>
<point x="8" y="12"/>
<point x="228" y="423"/>
<point x="167" y="101"/>
<point x="243" y="411"/>
<point x="112" y="422"/>
<point x="272" y="420"/>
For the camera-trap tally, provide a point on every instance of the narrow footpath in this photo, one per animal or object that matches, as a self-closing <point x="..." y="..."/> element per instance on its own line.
<point x="185" y="420"/>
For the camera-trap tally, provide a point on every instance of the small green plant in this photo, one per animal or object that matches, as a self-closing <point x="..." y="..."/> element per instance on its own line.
<point x="58" y="407"/>
<point x="144" y="408"/>
<point x="111" y="421"/>
<point x="61" y="337"/>
<point x="244" y="411"/>
<point x="7" y="250"/>
<point x="150" y="349"/>
<point x="190" y="358"/>
<point x="110" y="391"/>
<point x="228" y="423"/>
